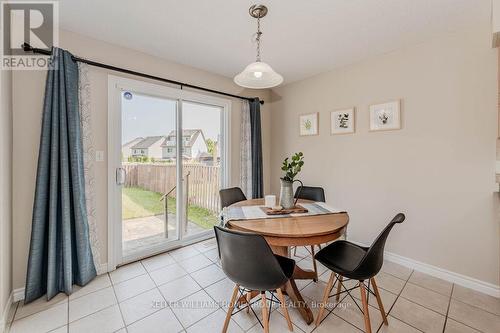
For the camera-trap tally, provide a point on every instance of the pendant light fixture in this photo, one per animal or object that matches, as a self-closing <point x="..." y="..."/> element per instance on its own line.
<point x="258" y="75"/>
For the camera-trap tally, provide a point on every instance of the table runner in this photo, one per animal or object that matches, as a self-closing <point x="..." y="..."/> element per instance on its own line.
<point x="256" y="212"/>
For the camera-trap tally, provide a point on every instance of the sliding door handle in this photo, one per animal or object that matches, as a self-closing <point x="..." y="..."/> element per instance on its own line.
<point x="121" y="176"/>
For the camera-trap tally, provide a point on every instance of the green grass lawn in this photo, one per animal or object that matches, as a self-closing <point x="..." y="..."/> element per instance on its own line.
<point x="137" y="202"/>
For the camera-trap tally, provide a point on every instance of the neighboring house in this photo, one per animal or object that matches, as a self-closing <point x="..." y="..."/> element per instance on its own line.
<point x="193" y="142"/>
<point x="149" y="147"/>
<point x="126" y="151"/>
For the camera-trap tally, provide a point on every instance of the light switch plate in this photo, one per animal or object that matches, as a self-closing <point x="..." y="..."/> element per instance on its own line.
<point x="99" y="155"/>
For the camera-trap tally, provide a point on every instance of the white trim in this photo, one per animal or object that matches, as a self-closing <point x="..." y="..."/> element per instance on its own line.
<point x="5" y="314"/>
<point x="460" y="279"/>
<point x="226" y="142"/>
<point x="179" y="175"/>
<point x="113" y="210"/>
<point x="18" y="294"/>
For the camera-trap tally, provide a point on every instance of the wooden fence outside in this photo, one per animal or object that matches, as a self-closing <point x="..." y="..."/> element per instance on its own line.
<point x="203" y="181"/>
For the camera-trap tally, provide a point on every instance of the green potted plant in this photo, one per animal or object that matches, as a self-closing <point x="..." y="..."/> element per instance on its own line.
<point x="291" y="166"/>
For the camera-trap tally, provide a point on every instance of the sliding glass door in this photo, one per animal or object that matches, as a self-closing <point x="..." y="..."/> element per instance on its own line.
<point x="202" y="166"/>
<point x="162" y="197"/>
<point x="148" y="173"/>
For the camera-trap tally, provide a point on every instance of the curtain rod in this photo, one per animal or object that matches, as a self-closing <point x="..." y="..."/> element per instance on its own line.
<point x="28" y="48"/>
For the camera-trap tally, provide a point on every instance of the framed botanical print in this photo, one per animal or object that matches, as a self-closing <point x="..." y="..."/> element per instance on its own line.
<point x="308" y="124"/>
<point x="385" y="116"/>
<point x="342" y="121"/>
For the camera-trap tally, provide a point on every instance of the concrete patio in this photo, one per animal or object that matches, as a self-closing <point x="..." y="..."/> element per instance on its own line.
<point x="143" y="232"/>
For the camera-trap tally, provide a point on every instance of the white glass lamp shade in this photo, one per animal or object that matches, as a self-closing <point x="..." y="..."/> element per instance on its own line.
<point x="258" y="75"/>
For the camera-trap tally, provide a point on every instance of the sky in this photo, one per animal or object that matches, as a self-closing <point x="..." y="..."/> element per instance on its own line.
<point x="151" y="116"/>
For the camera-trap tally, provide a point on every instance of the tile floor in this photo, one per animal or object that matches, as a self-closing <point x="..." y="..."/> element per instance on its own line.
<point x="186" y="291"/>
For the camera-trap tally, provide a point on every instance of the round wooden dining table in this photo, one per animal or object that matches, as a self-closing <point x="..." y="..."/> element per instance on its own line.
<point x="283" y="232"/>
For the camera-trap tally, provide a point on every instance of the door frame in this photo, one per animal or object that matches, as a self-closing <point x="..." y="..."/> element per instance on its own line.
<point x="116" y="84"/>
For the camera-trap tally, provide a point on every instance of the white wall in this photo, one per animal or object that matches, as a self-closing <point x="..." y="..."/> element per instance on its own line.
<point x="5" y="192"/>
<point x="439" y="169"/>
<point x="28" y="89"/>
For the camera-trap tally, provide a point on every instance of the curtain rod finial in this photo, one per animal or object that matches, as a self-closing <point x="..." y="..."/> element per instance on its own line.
<point x="257" y="99"/>
<point x="26" y="47"/>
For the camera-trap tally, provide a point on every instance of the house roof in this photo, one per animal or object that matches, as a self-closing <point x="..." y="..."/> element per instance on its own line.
<point x="133" y="142"/>
<point x="191" y="133"/>
<point x="147" y="142"/>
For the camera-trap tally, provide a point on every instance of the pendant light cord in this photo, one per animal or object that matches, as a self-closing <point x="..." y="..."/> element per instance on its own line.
<point x="259" y="34"/>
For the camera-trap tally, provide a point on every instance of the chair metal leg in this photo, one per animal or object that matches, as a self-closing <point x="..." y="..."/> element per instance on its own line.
<point x="322" y="306"/>
<point x="285" y="309"/>
<point x="265" y="313"/>
<point x="368" y="327"/>
<point x="231" y="308"/>
<point x="314" y="264"/>
<point x="339" y="287"/>
<point x="379" y="301"/>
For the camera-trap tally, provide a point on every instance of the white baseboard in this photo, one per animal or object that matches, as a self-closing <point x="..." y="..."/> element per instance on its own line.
<point x="102" y="269"/>
<point x="18" y="294"/>
<point x="5" y="314"/>
<point x="462" y="280"/>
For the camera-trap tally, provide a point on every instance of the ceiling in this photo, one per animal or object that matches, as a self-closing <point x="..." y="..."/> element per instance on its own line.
<point x="301" y="38"/>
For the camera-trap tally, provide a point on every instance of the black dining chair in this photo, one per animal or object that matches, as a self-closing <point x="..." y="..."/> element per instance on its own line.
<point x="310" y="193"/>
<point x="249" y="262"/>
<point x="314" y="194"/>
<point x="229" y="196"/>
<point x="353" y="262"/>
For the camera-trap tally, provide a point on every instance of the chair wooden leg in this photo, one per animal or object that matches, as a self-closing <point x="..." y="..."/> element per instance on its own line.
<point x="265" y="313"/>
<point x="322" y="306"/>
<point x="285" y="309"/>
<point x="314" y="264"/>
<point x="339" y="287"/>
<point x="231" y="308"/>
<point x="379" y="301"/>
<point x="368" y="327"/>
<point x="249" y="299"/>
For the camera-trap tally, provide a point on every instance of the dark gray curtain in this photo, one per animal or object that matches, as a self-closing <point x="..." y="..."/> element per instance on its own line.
<point x="60" y="253"/>
<point x="256" y="138"/>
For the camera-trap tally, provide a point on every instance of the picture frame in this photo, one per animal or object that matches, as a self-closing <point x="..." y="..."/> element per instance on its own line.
<point x="308" y="124"/>
<point x="385" y="116"/>
<point x="343" y="121"/>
